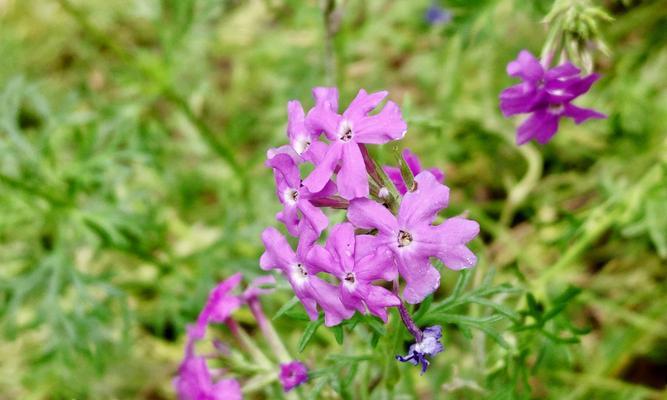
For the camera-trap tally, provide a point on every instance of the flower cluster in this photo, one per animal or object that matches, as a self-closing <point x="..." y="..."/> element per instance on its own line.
<point x="391" y="231"/>
<point x="546" y="94"/>
<point x="195" y="380"/>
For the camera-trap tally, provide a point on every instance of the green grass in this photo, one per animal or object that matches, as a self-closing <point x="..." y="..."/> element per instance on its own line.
<point x="132" y="142"/>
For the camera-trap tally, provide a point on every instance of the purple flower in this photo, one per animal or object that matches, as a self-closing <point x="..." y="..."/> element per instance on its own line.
<point x="413" y="238"/>
<point x="194" y="380"/>
<point x="219" y="306"/>
<point x="355" y="261"/>
<point x="303" y="142"/>
<point x="547" y="95"/>
<point x="346" y="132"/>
<point x="292" y="375"/>
<point x="310" y="289"/>
<point x="429" y="346"/>
<point x="436" y="15"/>
<point x="411" y="159"/>
<point x="296" y="198"/>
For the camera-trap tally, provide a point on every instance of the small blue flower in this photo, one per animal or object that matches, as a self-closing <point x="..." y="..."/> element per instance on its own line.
<point x="436" y="15"/>
<point x="429" y="346"/>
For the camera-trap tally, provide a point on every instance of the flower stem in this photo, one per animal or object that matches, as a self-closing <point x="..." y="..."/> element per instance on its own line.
<point x="409" y="323"/>
<point x="269" y="331"/>
<point x="244" y="339"/>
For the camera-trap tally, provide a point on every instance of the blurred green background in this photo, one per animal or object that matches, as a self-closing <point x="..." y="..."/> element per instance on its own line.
<point x="132" y="141"/>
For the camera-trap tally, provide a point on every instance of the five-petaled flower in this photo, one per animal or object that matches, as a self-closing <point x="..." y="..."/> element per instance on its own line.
<point x="357" y="263"/>
<point x="292" y="374"/>
<point x="346" y="132"/>
<point x="414" y="239"/>
<point x="308" y="287"/>
<point x="547" y="95"/>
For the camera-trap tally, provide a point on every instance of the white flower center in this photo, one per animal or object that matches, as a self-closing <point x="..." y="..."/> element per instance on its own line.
<point x="404" y="238"/>
<point x="291" y="196"/>
<point x="301" y="144"/>
<point x="345" y="131"/>
<point x="555" y="109"/>
<point x="350" y="281"/>
<point x="299" y="274"/>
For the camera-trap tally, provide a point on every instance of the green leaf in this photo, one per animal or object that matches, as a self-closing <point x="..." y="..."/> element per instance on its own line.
<point x="286" y="307"/>
<point x="308" y="333"/>
<point x="338" y="333"/>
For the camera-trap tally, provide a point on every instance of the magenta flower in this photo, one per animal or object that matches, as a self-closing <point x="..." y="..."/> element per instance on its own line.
<point x="546" y="95"/>
<point x="194" y="380"/>
<point x="413" y="163"/>
<point x="429" y="346"/>
<point x="310" y="289"/>
<point x="357" y="263"/>
<point x="219" y="306"/>
<point x="296" y="198"/>
<point x="292" y="374"/>
<point x="304" y="143"/>
<point x="413" y="238"/>
<point x="346" y="132"/>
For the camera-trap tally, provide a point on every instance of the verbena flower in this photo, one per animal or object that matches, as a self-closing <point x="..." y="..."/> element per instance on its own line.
<point x="219" y="306"/>
<point x="436" y="15"/>
<point x="296" y="198"/>
<point x="413" y="238"/>
<point x="355" y="261"/>
<point x="292" y="374"/>
<point x="413" y="163"/>
<point x="346" y="132"/>
<point x="195" y="381"/>
<point x="310" y="289"/>
<point x="547" y="95"/>
<point x="429" y="346"/>
<point x="304" y="143"/>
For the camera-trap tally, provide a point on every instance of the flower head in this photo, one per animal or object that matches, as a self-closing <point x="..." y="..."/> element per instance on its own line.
<point x="346" y="132"/>
<point x="311" y="290"/>
<point x="195" y="382"/>
<point x="547" y="95"/>
<point x="413" y="163"/>
<point x="413" y="238"/>
<point x="357" y="263"/>
<point x="429" y="346"/>
<point x="296" y="198"/>
<point x="219" y="306"/>
<point x="436" y="15"/>
<point x="292" y="374"/>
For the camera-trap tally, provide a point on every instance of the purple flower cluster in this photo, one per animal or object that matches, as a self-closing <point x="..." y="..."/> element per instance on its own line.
<point x="391" y="230"/>
<point x="195" y="380"/>
<point x="546" y="94"/>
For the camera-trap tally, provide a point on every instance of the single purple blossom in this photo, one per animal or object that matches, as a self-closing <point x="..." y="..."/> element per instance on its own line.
<point x="219" y="306"/>
<point x="346" y="132"/>
<point x="413" y="163"/>
<point x="429" y="346"/>
<point x="547" y="95"/>
<point x="414" y="239"/>
<point x="304" y="143"/>
<point x="293" y="374"/>
<point x="194" y="380"/>
<point x="296" y="198"/>
<point x="436" y="15"/>
<point x="308" y="288"/>
<point x="357" y="263"/>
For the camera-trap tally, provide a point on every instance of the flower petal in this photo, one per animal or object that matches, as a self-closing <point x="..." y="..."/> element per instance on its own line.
<point x="322" y="119"/>
<point x="421" y="206"/>
<point x="313" y="215"/>
<point x="363" y="103"/>
<point x="420" y="277"/>
<point x="581" y="114"/>
<point x="352" y="180"/>
<point x="367" y="214"/>
<point x="326" y="96"/>
<point x="381" y="128"/>
<point x="394" y="174"/>
<point x="322" y="172"/>
<point x="278" y="253"/>
<point x="526" y="67"/>
<point x="341" y="245"/>
<point x="541" y="126"/>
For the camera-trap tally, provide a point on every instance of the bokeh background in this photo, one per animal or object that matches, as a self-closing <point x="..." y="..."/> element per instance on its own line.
<point x="132" y="141"/>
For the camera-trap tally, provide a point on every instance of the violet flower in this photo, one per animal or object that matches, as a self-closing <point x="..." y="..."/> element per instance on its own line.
<point x="303" y="142"/>
<point x="356" y="263"/>
<point x="346" y="132"/>
<point x="546" y="94"/>
<point x="413" y="163"/>
<point x="413" y="238"/>
<point x="219" y="306"/>
<point x="194" y="380"/>
<point x="429" y="346"/>
<point x="308" y="288"/>
<point x="436" y="15"/>
<point x="296" y="198"/>
<point x="292" y="374"/>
